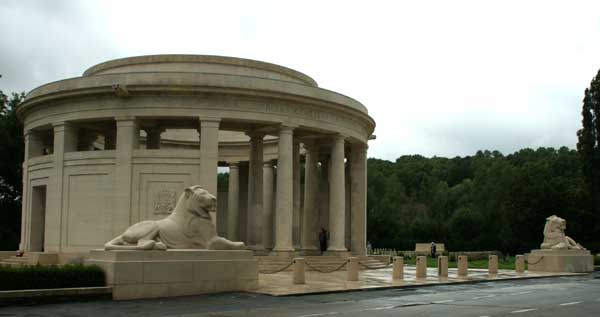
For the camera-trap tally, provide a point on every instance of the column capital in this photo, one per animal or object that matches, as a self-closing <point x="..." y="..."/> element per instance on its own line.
<point x="61" y="126"/>
<point x="338" y="137"/>
<point x="125" y="118"/>
<point x="268" y="164"/>
<point x="256" y="135"/>
<point x="235" y="164"/>
<point x="209" y="121"/>
<point x="153" y="129"/>
<point x="286" y="129"/>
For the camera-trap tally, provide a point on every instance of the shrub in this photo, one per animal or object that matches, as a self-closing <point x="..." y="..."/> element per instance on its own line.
<point x="53" y="276"/>
<point x="597" y="259"/>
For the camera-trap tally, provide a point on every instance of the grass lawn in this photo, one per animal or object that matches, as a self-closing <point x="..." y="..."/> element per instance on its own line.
<point x="473" y="264"/>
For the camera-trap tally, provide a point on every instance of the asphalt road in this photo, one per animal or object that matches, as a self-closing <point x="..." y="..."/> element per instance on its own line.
<point x="563" y="296"/>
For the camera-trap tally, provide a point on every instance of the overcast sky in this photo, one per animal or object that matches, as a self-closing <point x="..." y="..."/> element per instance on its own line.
<point x="440" y="78"/>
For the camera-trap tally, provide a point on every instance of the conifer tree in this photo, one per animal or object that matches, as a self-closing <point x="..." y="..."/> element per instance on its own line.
<point x="588" y="144"/>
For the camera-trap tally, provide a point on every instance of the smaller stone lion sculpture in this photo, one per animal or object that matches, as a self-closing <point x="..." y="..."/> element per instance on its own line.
<point x="554" y="235"/>
<point x="189" y="226"/>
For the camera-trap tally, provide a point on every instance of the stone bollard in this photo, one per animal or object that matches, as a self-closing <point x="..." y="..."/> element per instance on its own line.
<point x="463" y="266"/>
<point x="421" y="266"/>
<point x="352" y="269"/>
<point x="299" y="271"/>
<point x="493" y="265"/>
<point x="398" y="271"/>
<point x="442" y="265"/>
<point x="520" y="263"/>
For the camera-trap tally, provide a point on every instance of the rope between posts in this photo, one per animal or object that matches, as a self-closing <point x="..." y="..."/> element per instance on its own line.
<point x="325" y="271"/>
<point x="374" y="267"/>
<point x="278" y="270"/>
<point x="538" y="261"/>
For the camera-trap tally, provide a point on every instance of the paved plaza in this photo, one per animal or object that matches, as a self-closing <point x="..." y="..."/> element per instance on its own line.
<point x="577" y="295"/>
<point x="280" y="284"/>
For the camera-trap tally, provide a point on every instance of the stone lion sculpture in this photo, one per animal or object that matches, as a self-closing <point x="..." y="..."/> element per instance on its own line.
<point x="554" y="235"/>
<point x="189" y="226"/>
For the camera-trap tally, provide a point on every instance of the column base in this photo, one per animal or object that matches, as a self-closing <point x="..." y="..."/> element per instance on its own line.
<point x="257" y="249"/>
<point x="340" y="253"/>
<point x="361" y="252"/>
<point x="311" y="251"/>
<point x="285" y="253"/>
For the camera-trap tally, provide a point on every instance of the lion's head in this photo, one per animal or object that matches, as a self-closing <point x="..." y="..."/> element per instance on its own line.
<point x="200" y="201"/>
<point x="555" y="224"/>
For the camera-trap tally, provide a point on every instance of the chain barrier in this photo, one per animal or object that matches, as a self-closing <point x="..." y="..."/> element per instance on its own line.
<point x="277" y="270"/>
<point x="325" y="271"/>
<point x="538" y="261"/>
<point x="338" y="268"/>
<point x="377" y="267"/>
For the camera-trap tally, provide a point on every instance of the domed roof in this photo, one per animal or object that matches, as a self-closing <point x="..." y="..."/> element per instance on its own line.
<point x="209" y="64"/>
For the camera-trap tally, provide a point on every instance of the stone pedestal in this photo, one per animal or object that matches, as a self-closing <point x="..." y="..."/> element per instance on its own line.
<point x="442" y="265"/>
<point x="463" y="266"/>
<point x="398" y="270"/>
<point x="352" y="269"/>
<point x="147" y="274"/>
<point x="570" y="261"/>
<point x="421" y="267"/>
<point x="299" y="276"/>
<point x="520" y="264"/>
<point x="493" y="264"/>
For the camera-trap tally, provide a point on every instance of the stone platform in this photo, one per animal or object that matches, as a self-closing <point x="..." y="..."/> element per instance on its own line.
<point x="147" y="274"/>
<point x="571" y="261"/>
<point x="280" y="284"/>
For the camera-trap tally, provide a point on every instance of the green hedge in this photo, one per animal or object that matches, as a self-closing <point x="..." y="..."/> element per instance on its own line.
<point x="53" y="276"/>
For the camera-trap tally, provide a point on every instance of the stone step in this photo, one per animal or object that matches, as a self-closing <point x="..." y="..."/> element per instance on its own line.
<point x="31" y="259"/>
<point x="14" y="259"/>
<point x="325" y="263"/>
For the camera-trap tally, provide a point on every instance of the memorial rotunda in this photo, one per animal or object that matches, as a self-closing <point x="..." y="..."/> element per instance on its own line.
<point x="120" y="143"/>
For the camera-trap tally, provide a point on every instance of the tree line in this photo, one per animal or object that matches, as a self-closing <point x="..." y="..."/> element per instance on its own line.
<point x="487" y="201"/>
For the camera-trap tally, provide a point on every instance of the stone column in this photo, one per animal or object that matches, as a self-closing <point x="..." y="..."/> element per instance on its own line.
<point x="233" y="200"/>
<point x="255" y="192"/>
<point x="128" y="135"/>
<point x="296" y="202"/>
<point x="209" y="156"/>
<point x="268" y="215"/>
<point x="25" y="190"/>
<point x="358" y="204"/>
<point x="153" y="137"/>
<point x="65" y="140"/>
<point x="310" y="222"/>
<point x="337" y="196"/>
<point x="243" y="203"/>
<point x="34" y="146"/>
<point x="323" y="198"/>
<point x="284" y="204"/>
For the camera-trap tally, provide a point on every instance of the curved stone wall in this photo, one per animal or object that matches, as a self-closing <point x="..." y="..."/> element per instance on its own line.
<point x="106" y="150"/>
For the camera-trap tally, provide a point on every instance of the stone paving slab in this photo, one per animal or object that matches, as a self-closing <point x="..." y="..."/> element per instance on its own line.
<point x="280" y="284"/>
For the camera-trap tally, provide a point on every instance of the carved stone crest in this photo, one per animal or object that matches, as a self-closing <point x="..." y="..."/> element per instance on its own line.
<point x="164" y="202"/>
